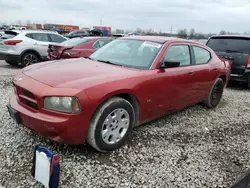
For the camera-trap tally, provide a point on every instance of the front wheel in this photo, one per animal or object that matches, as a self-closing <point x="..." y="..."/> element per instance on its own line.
<point x="215" y="94"/>
<point x="29" y="58"/>
<point x="111" y="125"/>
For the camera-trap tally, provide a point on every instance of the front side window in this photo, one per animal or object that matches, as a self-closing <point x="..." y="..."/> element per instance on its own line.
<point x="179" y="53"/>
<point x="202" y="56"/>
<point x="125" y="52"/>
<point x="43" y="37"/>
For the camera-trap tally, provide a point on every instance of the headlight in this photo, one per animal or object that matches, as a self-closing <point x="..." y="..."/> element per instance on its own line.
<point x="62" y="104"/>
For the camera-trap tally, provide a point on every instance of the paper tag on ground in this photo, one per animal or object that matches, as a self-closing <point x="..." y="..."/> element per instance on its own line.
<point x="42" y="168"/>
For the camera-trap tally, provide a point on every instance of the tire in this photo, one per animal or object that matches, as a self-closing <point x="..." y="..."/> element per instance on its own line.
<point x="102" y="136"/>
<point x="11" y="63"/>
<point x="29" y="58"/>
<point x="215" y="94"/>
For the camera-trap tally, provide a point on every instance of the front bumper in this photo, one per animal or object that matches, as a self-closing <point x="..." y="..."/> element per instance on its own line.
<point x="10" y="57"/>
<point x="241" y="78"/>
<point x="48" y="126"/>
<point x="59" y="127"/>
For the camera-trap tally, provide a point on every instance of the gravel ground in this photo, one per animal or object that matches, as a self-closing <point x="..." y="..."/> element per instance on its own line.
<point x="196" y="147"/>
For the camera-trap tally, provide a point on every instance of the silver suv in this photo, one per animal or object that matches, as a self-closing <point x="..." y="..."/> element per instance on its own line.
<point x="27" y="47"/>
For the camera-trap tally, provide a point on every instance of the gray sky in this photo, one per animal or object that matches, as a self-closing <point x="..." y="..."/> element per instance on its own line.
<point x="203" y="16"/>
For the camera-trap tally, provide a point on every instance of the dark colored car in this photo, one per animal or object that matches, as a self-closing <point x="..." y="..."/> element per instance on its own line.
<point x="84" y="33"/>
<point x="236" y="49"/>
<point x="77" y="47"/>
<point x="128" y="82"/>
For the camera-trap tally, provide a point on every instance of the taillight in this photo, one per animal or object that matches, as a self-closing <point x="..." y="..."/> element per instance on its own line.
<point x="12" y="42"/>
<point x="248" y="62"/>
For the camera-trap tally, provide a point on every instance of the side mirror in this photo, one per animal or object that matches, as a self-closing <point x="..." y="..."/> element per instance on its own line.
<point x="169" y="64"/>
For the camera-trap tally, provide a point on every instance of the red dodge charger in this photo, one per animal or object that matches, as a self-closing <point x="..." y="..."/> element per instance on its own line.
<point x="129" y="81"/>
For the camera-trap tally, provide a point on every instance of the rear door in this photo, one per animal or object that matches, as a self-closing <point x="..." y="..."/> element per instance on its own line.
<point x="205" y="73"/>
<point x="236" y="49"/>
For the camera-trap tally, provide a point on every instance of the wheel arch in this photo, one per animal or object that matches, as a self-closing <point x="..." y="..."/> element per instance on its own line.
<point x="33" y="51"/>
<point x="125" y="94"/>
<point x="224" y="78"/>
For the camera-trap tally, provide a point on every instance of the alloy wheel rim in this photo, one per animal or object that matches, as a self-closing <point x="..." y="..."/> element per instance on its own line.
<point x="115" y="126"/>
<point x="30" y="59"/>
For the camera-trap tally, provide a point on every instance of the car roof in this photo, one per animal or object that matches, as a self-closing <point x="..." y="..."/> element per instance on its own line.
<point x="37" y="31"/>
<point x="159" y="39"/>
<point x="231" y="36"/>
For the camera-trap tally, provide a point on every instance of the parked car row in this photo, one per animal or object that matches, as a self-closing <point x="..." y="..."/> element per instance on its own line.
<point x="27" y="47"/>
<point x="125" y="83"/>
<point x="31" y="46"/>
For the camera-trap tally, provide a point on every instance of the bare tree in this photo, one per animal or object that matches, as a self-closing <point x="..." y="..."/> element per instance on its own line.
<point x="223" y="32"/>
<point x="192" y="33"/>
<point x="182" y="33"/>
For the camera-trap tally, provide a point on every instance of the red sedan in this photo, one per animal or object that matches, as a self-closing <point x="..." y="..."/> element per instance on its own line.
<point x="77" y="47"/>
<point x="130" y="81"/>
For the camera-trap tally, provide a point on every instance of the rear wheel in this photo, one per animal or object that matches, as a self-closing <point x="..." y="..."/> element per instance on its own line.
<point x="111" y="125"/>
<point x="29" y="58"/>
<point x="215" y="94"/>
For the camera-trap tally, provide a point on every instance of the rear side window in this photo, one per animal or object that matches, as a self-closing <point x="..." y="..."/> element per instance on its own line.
<point x="56" y="38"/>
<point x="43" y="37"/>
<point x="202" y="56"/>
<point x="241" y="45"/>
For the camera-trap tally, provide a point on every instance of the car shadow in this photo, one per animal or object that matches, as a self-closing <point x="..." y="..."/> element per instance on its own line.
<point x="237" y="86"/>
<point x="7" y="66"/>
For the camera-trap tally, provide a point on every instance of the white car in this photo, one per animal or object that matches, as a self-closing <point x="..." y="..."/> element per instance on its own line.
<point x="26" y="47"/>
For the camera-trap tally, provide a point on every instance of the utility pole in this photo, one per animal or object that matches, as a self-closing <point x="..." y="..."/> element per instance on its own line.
<point x="100" y="22"/>
<point x="171" y="30"/>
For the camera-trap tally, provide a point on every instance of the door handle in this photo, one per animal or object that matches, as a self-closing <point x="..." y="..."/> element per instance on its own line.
<point x="215" y="69"/>
<point x="191" y="72"/>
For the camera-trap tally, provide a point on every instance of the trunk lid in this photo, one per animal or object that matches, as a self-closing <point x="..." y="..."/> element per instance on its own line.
<point x="234" y="48"/>
<point x="56" y="51"/>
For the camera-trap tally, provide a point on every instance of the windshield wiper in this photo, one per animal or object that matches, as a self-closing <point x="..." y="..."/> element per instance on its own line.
<point x="108" y="62"/>
<point x="233" y="51"/>
<point x="87" y="58"/>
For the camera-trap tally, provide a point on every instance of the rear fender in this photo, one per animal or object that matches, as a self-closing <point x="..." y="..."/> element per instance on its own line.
<point x="228" y="66"/>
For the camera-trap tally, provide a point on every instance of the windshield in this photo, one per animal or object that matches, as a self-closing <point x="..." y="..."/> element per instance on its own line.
<point x="230" y="45"/>
<point x="129" y="53"/>
<point x="76" y="41"/>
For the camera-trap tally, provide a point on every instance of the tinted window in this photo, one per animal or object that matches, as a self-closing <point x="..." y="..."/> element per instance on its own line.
<point x="40" y="37"/>
<point x="202" y="56"/>
<point x="29" y="35"/>
<point x="178" y="53"/>
<point x="230" y="44"/>
<point x="125" y="53"/>
<point x="56" y="38"/>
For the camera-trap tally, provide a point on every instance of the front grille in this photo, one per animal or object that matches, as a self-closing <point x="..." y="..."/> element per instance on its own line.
<point x="26" y="97"/>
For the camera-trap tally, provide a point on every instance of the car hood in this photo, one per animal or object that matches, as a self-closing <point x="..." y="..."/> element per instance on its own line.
<point x="77" y="73"/>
